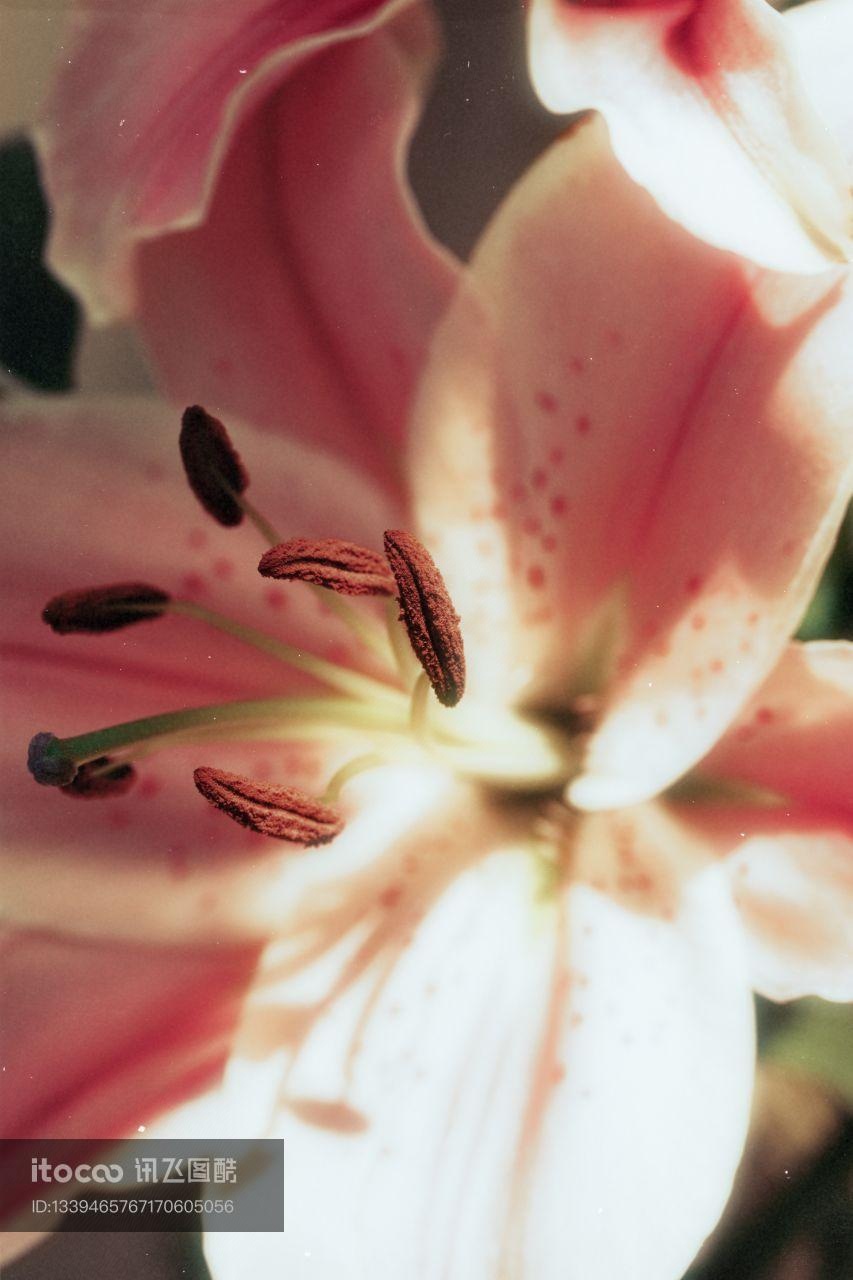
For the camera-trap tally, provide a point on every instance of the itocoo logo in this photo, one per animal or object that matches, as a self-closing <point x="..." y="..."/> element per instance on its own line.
<point x="43" y="1171"/>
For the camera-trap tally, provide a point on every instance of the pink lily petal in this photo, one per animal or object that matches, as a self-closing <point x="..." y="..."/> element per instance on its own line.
<point x="566" y="445"/>
<point x="706" y="108"/>
<point x="444" y="1116"/>
<point x="158" y="862"/>
<point x="142" y="111"/>
<point x="98" y="1038"/>
<point x="260" y="224"/>
<point x="795" y="735"/>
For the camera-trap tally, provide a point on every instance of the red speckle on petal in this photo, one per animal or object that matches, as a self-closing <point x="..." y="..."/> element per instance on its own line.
<point x="752" y="619"/>
<point x="547" y="401"/>
<point x="274" y="598"/>
<point x="789" y="547"/>
<point x="693" y="585"/>
<point x="698" y="621"/>
<point x="532" y="526"/>
<point x="558" y="1073"/>
<point x="576" y="364"/>
<point x="717" y="666"/>
<point x="539" y="479"/>
<point x="223" y="568"/>
<point x="559" y="504"/>
<point x="765" y="715"/>
<point x="196" y="539"/>
<point x="193" y="583"/>
<point x="149" y="788"/>
<point x="536" y="577"/>
<point x="549" y="543"/>
<point x="583" y="425"/>
<point x="390" y="896"/>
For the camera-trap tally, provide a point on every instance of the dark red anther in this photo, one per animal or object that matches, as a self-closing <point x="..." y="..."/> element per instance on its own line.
<point x="97" y="609"/>
<point x="101" y="779"/>
<point x="339" y="566"/>
<point x="428" y="613"/>
<point x="281" y="812"/>
<point x="214" y="470"/>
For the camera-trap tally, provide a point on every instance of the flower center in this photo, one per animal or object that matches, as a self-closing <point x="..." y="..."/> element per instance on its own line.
<point x="390" y="716"/>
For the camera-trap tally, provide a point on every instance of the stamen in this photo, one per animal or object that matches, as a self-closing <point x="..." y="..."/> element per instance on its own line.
<point x="281" y="812"/>
<point x="101" y="778"/>
<point x="338" y="566"/>
<point x="98" y="609"/>
<point x="54" y="761"/>
<point x="214" y="470"/>
<point x="429" y="616"/>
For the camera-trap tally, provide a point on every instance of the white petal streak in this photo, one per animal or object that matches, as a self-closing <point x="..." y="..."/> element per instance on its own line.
<point x="532" y="1090"/>
<point x="641" y="1139"/>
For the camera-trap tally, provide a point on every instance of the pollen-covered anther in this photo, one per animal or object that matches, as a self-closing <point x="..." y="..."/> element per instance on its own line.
<point x="339" y="566"/>
<point x="281" y="812"/>
<point x="97" y="609"/>
<point x="214" y="470"/>
<point x="101" y="779"/>
<point x="427" y="611"/>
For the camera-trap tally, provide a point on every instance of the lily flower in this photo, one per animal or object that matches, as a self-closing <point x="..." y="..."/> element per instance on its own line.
<point x="734" y="117"/>
<point x="502" y="1021"/>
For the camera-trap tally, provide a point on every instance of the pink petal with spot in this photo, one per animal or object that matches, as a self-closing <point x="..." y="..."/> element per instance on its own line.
<point x="795" y="735"/>
<point x="707" y="109"/>
<point x="610" y="401"/>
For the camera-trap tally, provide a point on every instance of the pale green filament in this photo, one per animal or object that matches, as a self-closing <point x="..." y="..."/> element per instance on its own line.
<point x="263" y="718"/>
<point x="340" y="678"/>
<point x="407" y="664"/>
<point x="266" y="530"/>
<point x="361" y="764"/>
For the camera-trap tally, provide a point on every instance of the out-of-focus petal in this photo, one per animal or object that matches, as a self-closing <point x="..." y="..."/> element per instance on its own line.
<point x="795" y="736"/>
<point x="794" y="889"/>
<point x="100" y="1039"/>
<point x="465" y="1111"/>
<point x="707" y="109"/>
<point x="305" y="300"/>
<point x="96" y="494"/>
<point x="790" y="867"/>
<point x="823" y="38"/>
<point x="142" y="110"/>
<point x="612" y="401"/>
